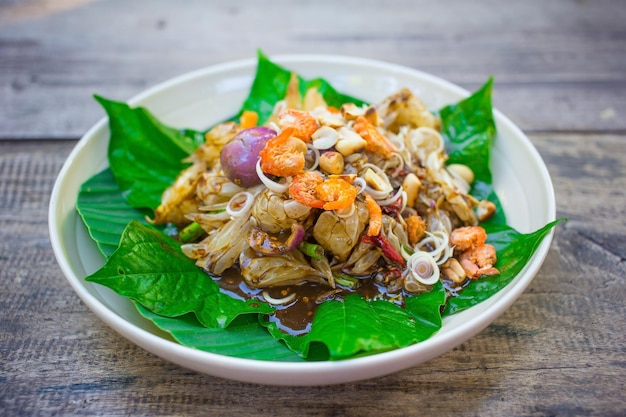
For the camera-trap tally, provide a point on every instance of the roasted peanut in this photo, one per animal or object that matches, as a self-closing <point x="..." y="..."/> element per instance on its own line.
<point x="411" y="186"/>
<point x="349" y="142"/>
<point x="331" y="162"/>
<point x="462" y="171"/>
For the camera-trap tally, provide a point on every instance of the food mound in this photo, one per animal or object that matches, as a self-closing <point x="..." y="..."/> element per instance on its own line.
<point x="320" y="202"/>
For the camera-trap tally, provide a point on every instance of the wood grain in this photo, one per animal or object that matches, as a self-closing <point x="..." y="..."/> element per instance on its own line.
<point x="560" y="74"/>
<point x="559" y="350"/>
<point x="557" y="65"/>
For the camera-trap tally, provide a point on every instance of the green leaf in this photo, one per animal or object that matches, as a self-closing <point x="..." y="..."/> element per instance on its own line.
<point x="149" y="267"/>
<point x="514" y="250"/>
<point x="469" y="129"/>
<point x="145" y="155"/>
<point x="244" y="338"/>
<point x="270" y="86"/>
<point x="356" y="327"/>
<point x="105" y="211"/>
<point x="426" y="311"/>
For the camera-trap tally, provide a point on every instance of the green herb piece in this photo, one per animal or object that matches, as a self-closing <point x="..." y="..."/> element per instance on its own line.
<point x="514" y="250"/>
<point x="191" y="232"/>
<point x="145" y="155"/>
<point x="148" y="267"/>
<point x="270" y="86"/>
<point x="312" y="250"/>
<point x="346" y="280"/>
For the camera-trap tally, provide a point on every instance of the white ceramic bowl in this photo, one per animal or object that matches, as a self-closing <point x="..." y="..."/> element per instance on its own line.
<point x="202" y="98"/>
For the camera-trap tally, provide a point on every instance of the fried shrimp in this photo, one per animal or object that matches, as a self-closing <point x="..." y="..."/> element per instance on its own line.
<point x="476" y="257"/>
<point x="479" y="261"/>
<point x="467" y="237"/>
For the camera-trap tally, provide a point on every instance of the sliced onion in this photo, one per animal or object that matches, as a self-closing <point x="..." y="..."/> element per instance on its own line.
<point x="378" y="194"/>
<point x="396" y="168"/>
<point x="272" y="185"/>
<point x="404" y="198"/>
<point x="391" y="199"/>
<point x="240" y="204"/>
<point x="277" y="301"/>
<point x="316" y="157"/>
<point x="423" y="268"/>
<point x="359" y="182"/>
<point x="377" y="170"/>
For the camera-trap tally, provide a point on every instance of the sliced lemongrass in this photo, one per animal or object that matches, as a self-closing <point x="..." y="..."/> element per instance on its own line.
<point x="277" y="301"/>
<point x="441" y="243"/>
<point x="412" y="286"/>
<point x="447" y="254"/>
<point x="423" y="268"/>
<point x="405" y="254"/>
<point x="240" y="204"/>
<point x="269" y="183"/>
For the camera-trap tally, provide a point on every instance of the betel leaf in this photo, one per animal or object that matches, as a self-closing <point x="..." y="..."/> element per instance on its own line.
<point x="355" y="326"/>
<point x="469" y="129"/>
<point x="145" y="155"/>
<point x="105" y="211"/>
<point x="514" y="250"/>
<point x="149" y="267"/>
<point x="106" y="214"/>
<point x="270" y="86"/>
<point x="244" y="338"/>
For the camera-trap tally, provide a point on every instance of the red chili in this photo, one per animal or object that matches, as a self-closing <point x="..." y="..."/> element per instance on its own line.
<point x="388" y="251"/>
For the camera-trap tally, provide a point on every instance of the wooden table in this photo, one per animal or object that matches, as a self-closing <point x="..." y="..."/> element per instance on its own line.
<point x="560" y="71"/>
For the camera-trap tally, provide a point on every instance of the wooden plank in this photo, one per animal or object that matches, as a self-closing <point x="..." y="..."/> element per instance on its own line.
<point x="558" y="65"/>
<point x="557" y="351"/>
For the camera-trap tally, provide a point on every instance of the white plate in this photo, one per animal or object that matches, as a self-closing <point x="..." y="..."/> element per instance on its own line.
<point x="202" y="98"/>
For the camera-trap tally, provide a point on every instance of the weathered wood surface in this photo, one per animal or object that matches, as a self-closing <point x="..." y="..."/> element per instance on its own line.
<point x="560" y="71"/>
<point x="557" y="64"/>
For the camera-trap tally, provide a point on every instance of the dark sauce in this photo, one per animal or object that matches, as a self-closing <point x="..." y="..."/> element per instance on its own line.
<point x="295" y="317"/>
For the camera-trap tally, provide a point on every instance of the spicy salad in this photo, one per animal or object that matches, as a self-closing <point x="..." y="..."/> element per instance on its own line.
<point x="321" y="222"/>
